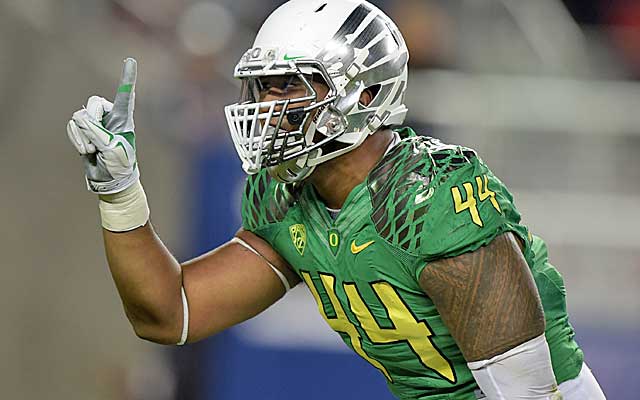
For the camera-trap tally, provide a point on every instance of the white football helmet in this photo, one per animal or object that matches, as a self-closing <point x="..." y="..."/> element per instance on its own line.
<point x="351" y="46"/>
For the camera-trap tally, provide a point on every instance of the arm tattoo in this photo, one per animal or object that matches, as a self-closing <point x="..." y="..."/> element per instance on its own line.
<point x="487" y="298"/>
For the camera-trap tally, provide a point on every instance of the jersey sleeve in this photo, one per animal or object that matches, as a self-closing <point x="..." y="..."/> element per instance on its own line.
<point x="468" y="209"/>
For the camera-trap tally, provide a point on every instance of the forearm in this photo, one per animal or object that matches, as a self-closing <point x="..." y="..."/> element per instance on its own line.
<point x="166" y="302"/>
<point x="149" y="281"/>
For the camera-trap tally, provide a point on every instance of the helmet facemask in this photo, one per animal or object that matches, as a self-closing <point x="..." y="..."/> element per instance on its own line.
<point x="257" y="126"/>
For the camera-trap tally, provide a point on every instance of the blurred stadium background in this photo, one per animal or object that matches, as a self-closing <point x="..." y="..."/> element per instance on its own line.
<point x="547" y="91"/>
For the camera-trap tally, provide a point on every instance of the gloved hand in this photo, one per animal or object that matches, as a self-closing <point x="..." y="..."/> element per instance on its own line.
<point x="103" y="133"/>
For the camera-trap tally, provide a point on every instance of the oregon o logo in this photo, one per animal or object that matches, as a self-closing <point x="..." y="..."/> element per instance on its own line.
<point x="334" y="239"/>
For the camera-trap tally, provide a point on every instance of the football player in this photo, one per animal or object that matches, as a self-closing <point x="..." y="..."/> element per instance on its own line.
<point x="412" y="248"/>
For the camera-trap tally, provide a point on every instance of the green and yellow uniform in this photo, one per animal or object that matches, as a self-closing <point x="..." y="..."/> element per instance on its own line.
<point x="425" y="200"/>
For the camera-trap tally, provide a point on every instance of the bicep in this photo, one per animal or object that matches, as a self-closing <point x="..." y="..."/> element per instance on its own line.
<point x="232" y="284"/>
<point x="487" y="298"/>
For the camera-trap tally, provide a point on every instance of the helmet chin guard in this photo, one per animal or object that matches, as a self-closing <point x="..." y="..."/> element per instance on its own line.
<point x="295" y="170"/>
<point x="352" y="46"/>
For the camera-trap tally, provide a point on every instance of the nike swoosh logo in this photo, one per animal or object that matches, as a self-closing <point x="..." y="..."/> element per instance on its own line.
<point x="287" y="58"/>
<point x="355" y="249"/>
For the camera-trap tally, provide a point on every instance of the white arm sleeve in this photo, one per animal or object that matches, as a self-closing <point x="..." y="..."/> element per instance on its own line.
<point x="523" y="372"/>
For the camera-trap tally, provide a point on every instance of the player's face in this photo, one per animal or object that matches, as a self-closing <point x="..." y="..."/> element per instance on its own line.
<point x="289" y="87"/>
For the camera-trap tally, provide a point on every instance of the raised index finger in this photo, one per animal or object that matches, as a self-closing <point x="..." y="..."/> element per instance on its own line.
<point x="125" y="94"/>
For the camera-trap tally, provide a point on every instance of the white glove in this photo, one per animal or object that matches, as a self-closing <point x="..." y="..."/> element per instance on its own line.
<point x="103" y="133"/>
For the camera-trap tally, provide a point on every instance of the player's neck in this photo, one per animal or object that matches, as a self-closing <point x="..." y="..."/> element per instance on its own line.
<point x="335" y="179"/>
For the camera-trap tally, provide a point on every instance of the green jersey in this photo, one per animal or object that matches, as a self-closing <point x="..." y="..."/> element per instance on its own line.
<point x="424" y="200"/>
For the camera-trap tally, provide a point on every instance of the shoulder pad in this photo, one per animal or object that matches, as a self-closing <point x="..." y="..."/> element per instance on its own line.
<point x="266" y="201"/>
<point x="403" y="183"/>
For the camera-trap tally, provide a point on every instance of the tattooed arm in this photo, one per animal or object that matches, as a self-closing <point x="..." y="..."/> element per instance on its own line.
<point x="486" y="298"/>
<point x="489" y="301"/>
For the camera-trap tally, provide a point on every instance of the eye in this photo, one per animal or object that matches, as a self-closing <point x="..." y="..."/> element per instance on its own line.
<point x="281" y="83"/>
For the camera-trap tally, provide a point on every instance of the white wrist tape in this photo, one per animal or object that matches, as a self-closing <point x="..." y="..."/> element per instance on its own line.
<point x="523" y="372"/>
<point x="126" y="210"/>
<point x="246" y="245"/>
<point x="185" y="319"/>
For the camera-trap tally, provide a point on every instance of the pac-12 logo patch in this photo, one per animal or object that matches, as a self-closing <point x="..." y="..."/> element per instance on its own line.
<point x="298" y="237"/>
